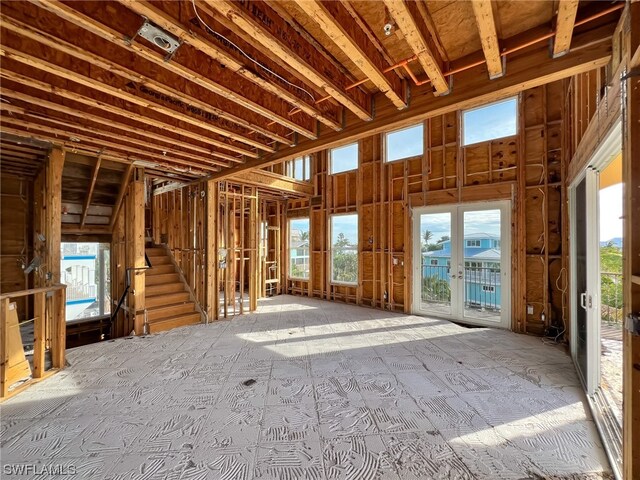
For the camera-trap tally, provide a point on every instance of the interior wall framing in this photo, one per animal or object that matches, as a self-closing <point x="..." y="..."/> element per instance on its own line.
<point x="528" y="168"/>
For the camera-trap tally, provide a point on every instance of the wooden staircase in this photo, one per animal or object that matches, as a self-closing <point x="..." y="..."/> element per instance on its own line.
<point x="167" y="298"/>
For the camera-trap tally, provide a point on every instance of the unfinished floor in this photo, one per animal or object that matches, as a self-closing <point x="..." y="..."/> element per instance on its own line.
<point x="307" y="389"/>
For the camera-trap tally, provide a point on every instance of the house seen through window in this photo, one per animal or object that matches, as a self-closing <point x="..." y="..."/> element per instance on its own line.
<point x="299" y="248"/>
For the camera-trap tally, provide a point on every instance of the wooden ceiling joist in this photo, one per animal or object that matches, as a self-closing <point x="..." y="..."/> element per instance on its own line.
<point x="93" y="150"/>
<point x="114" y="59"/>
<point x="217" y="79"/>
<point x="118" y="87"/>
<point x="230" y="63"/>
<point x="406" y="16"/>
<point x="92" y="186"/>
<point x="186" y="158"/>
<point x="565" y="21"/>
<point x="591" y="50"/>
<point x="483" y="11"/>
<point x="336" y="21"/>
<point x="274" y="181"/>
<point x="127" y="113"/>
<point x="32" y="124"/>
<point x="257" y="22"/>
<point x="113" y="123"/>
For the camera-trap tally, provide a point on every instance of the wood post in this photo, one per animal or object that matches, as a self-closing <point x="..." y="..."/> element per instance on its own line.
<point x="39" y="335"/>
<point x="4" y="347"/>
<point x="211" y="253"/>
<point x="631" y="254"/>
<point x="135" y="246"/>
<point x="59" y="324"/>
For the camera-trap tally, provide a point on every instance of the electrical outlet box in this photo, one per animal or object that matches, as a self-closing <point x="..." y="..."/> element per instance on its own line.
<point x="529" y="309"/>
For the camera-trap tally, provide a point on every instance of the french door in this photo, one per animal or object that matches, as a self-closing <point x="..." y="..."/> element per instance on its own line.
<point x="462" y="262"/>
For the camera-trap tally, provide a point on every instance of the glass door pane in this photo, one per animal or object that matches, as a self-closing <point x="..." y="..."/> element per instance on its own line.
<point x="435" y="266"/>
<point x="482" y="257"/>
<point x="580" y="216"/>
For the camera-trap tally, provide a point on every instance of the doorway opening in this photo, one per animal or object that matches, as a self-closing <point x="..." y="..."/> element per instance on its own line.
<point x="463" y="269"/>
<point x="597" y="288"/>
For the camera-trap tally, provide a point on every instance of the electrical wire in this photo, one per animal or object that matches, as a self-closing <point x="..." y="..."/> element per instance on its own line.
<point x="212" y="31"/>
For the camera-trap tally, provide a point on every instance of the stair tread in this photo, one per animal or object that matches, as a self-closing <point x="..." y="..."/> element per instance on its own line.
<point x="171" y="305"/>
<point x="181" y="316"/>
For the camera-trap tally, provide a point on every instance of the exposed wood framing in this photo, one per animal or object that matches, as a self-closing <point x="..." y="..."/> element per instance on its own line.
<point x="406" y="17"/>
<point x="204" y="45"/>
<point x="135" y="249"/>
<point x="281" y="40"/>
<point x="483" y="11"/>
<point x="335" y="20"/>
<point x="92" y="185"/>
<point x="565" y="21"/>
<point x="121" y="194"/>
<point x="591" y="50"/>
<point x="273" y="181"/>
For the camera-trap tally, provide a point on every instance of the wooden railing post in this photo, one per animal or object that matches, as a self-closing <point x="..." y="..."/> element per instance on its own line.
<point x="39" y="334"/>
<point x="4" y="347"/>
<point x="59" y="337"/>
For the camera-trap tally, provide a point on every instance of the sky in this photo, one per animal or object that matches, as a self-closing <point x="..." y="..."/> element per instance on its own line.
<point x="405" y="143"/>
<point x="610" y="212"/>
<point x="492" y="121"/>
<point x="344" y="158"/>
<point x="302" y="225"/>
<point x="480" y="221"/>
<point x="347" y="224"/>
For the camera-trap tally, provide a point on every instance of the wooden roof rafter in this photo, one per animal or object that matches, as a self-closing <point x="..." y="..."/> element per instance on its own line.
<point x="483" y="11"/>
<point x="92" y="186"/>
<point x="409" y="21"/>
<point x="273" y="35"/>
<point x="337" y="21"/>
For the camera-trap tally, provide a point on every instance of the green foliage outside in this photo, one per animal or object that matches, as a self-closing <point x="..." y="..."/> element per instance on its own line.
<point x="435" y="289"/>
<point x="611" y="285"/>
<point x="427" y="246"/>
<point x="345" y="262"/>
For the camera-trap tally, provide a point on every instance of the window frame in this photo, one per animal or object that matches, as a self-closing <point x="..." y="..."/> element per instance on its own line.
<point x="486" y="105"/>
<point x="397" y="130"/>
<point x="289" y="249"/>
<point x="332" y="249"/>
<point x="290" y="168"/>
<point x="330" y="153"/>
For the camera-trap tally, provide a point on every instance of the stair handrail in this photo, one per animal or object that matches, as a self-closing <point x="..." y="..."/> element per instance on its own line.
<point x="127" y="283"/>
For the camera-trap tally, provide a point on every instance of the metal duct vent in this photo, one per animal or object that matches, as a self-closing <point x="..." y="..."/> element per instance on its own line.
<point x="158" y="37"/>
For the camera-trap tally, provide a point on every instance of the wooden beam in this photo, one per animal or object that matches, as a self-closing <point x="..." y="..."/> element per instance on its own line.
<point x="116" y="87"/>
<point x="401" y="11"/>
<point x="189" y="36"/>
<point x="121" y="193"/>
<point x="483" y="11"/>
<point x="113" y="60"/>
<point x="122" y="112"/>
<point x="92" y="184"/>
<point x="273" y="181"/>
<point x="565" y="20"/>
<point x="183" y="158"/>
<point x="100" y="143"/>
<point x="593" y="50"/>
<point x="53" y="213"/>
<point x="134" y="242"/>
<point x="217" y="79"/>
<point x="258" y="23"/>
<point x="74" y="229"/>
<point x="112" y="122"/>
<point x="74" y="147"/>
<point x="336" y="21"/>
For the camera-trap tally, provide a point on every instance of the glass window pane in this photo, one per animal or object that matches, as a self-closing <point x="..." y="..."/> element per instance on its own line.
<point x="85" y="269"/>
<point x="343" y="159"/>
<point x="344" y="248"/>
<point x="299" y="248"/>
<point x="405" y="143"/>
<point x="496" y="120"/>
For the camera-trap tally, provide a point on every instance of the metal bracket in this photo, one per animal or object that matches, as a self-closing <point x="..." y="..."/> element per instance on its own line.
<point x="632" y="73"/>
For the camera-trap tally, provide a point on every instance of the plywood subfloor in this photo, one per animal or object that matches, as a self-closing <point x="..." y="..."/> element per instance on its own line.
<point x="338" y="392"/>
